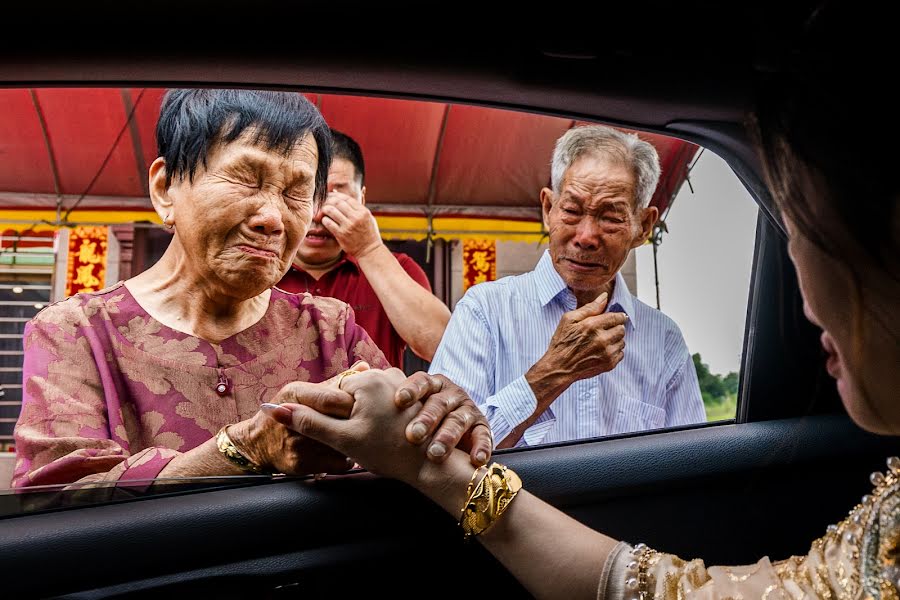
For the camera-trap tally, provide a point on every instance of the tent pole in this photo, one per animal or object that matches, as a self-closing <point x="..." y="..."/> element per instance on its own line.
<point x="656" y="239"/>
<point x="432" y="184"/>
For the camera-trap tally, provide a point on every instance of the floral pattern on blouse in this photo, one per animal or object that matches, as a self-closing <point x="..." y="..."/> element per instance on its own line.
<point x="111" y="394"/>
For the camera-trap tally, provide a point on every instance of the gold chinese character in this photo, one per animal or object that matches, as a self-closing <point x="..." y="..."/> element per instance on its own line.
<point x="87" y="253"/>
<point x="481" y="261"/>
<point x="480" y="278"/>
<point x="86" y="278"/>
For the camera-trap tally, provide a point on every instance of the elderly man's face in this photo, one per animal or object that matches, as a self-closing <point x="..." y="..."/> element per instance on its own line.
<point x="243" y="217"/>
<point x="592" y="223"/>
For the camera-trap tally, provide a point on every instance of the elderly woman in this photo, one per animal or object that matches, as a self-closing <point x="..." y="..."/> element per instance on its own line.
<point x="841" y="205"/>
<point x="163" y="375"/>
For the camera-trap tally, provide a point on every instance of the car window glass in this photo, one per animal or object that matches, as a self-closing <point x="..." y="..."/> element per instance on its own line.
<point x="456" y="190"/>
<point x="697" y="273"/>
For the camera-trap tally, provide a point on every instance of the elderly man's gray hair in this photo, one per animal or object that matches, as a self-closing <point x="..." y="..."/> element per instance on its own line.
<point x="626" y="148"/>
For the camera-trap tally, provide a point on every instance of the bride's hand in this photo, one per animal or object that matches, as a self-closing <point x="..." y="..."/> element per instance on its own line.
<point x="374" y="435"/>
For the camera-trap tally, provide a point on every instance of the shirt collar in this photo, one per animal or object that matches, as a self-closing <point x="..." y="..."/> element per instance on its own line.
<point x="346" y="259"/>
<point x="622" y="301"/>
<point x="349" y="259"/>
<point x="550" y="285"/>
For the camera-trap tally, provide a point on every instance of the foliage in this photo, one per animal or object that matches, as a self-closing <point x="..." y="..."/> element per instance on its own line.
<point x="719" y="393"/>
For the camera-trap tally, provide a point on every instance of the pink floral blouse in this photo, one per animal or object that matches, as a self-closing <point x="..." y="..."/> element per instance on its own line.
<point x="111" y="394"/>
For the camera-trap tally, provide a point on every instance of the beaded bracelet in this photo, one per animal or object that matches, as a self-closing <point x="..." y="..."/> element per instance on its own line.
<point x="636" y="572"/>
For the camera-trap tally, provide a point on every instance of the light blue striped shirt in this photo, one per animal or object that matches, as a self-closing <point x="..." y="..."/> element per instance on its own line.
<point x="499" y="329"/>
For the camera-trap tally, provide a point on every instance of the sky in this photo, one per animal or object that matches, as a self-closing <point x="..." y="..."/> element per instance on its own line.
<point x="705" y="262"/>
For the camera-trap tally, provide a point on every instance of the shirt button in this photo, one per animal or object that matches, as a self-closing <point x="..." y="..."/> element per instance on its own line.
<point x="318" y="290"/>
<point x="222" y="384"/>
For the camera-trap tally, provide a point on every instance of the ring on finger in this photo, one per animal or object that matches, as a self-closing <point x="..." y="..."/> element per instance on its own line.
<point x="344" y="375"/>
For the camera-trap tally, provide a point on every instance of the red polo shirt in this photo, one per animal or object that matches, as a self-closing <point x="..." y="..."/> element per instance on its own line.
<point x="347" y="282"/>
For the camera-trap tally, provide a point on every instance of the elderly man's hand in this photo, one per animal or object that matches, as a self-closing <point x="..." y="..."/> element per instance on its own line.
<point x="351" y="224"/>
<point x="275" y="447"/>
<point x="586" y="342"/>
<point x="449" y="414"/>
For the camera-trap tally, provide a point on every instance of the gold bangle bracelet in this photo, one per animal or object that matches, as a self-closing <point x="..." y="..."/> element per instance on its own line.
<point x="488" y="499"/>
<point x="475" y="481"/>
<point x="234" y="455"/>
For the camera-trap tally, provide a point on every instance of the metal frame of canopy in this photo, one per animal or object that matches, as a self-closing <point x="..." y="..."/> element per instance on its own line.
<point x="434" y="170"/>
<point x="90" y="148"/>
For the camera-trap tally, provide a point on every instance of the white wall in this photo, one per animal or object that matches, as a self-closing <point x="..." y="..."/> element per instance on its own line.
<point x="705" y="262"/>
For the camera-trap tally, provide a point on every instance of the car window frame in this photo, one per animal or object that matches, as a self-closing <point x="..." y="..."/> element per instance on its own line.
<point x="724" y="140"/>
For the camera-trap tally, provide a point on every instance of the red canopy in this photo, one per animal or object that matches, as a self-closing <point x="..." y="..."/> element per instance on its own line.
<point x="458" y="159"/>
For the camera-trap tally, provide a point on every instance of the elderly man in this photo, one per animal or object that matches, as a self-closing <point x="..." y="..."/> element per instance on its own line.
<point x="565" y="351"/>
<point x="342" y="256"/>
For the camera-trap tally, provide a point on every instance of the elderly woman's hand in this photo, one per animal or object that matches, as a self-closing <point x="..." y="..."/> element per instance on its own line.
<point x="276" y="448"/>
<point x="374" y="435"/>
<point x="448" y="409"/>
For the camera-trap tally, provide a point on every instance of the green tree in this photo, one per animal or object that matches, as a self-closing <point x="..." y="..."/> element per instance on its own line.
<point x="730" y="382"/>
<point x="712" y="389"/>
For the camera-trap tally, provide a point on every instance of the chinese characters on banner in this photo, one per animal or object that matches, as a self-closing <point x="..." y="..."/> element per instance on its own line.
<point x="479" y="262"/>
<point x="86" y="269"/>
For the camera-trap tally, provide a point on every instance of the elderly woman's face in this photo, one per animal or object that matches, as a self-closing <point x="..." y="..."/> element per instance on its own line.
<point x="243" y="217"/>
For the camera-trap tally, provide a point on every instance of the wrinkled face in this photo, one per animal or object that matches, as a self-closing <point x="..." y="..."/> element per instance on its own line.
<point x="243" y="217"/>
<point x="319" y="246"/>
<point x="862" y="354"/>
<point x="592" y="222"/>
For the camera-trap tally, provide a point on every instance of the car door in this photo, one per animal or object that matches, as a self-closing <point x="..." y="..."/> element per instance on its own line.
<point x="765" y="484"/>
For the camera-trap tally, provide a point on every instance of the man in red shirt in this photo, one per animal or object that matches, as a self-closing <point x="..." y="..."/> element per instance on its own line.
<point x="344" y="257"/>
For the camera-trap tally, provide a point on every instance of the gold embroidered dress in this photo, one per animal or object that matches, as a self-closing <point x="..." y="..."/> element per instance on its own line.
<point x="858" y="559"/>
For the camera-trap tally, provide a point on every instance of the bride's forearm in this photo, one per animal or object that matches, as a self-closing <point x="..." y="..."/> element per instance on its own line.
<point x="550" y="553"/>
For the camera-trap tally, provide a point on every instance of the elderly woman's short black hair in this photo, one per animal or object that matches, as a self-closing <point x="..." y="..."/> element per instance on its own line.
<point x="192" y="121"/>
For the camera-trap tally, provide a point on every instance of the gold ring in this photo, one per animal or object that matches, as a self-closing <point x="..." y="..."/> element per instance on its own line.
<point x="347" y="373"/>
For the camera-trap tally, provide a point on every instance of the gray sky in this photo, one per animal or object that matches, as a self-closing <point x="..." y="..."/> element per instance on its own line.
<point x="704" y="263"/>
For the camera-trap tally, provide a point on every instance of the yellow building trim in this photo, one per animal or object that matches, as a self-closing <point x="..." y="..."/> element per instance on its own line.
<point x="36" y="220"/>
<point x="392" y="227"/>
<point x="459" y="228"/>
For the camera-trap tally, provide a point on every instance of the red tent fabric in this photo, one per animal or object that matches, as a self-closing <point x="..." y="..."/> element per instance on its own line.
<point x="456" y="159"/>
